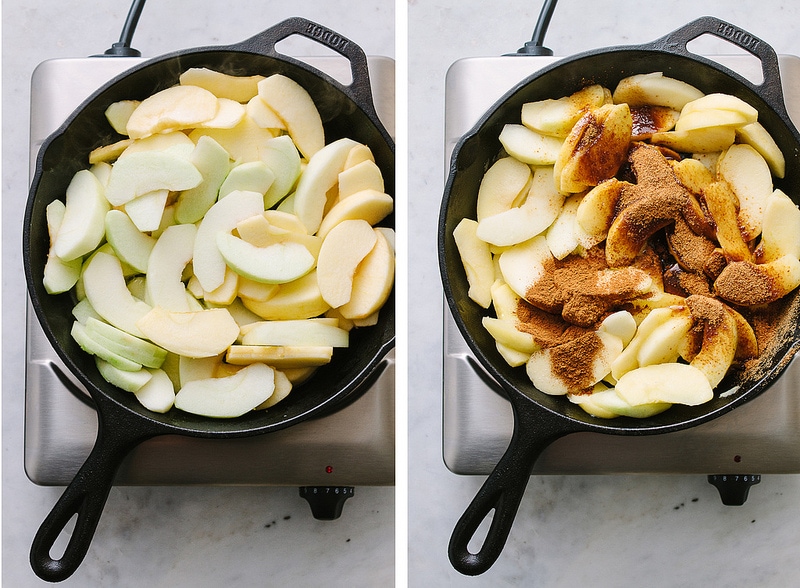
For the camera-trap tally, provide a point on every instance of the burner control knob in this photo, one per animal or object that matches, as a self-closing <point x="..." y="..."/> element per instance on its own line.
<point x="734" y="488"/>
<point x="326" y="501"/>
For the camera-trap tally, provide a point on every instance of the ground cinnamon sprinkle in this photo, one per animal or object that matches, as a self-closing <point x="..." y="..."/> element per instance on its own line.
<point x="744" y="283"/>
<point x="573" y="362"/>
<point x="548" y="330"/>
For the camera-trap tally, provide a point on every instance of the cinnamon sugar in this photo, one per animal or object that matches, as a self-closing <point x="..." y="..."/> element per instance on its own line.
<point x="745" y="283"/>
<point x="573" y="362"/>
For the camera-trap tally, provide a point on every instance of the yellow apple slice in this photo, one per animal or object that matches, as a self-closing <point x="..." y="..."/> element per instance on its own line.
<point x="523" y="265"/>
<point x="295" y="107"/>
<point x="313" y="332"/>
<point x="203" y="333"/>
<point x="528" y="146"/>
<point x="283" y="386"/>
<point x="655" y="89"/>
<point x="748" y="174"/>
<point x="780" y="228"/>
<point x="557" y="117"/>
<point x="239" y="88"/>
<point x="279" y="356"/>
<point x="597" y="208"/>
<point x="263" y="115"/>
<point x="511" y="356"/>
<point x="229" y="114"/>
<point x="504" y="300"/>
<point x="723" y="102"/>
<point x="365" y="175"/>
<point x="628" y="359"/>
<point x="562" y="234"/>
<point x="105" y="288"/>
<point x="176" y="142"/>
<point x="59" y="275"/>
<point x="707" y="140"/>
<point x="175" y="108"/>
<point x="343" y="249"/>
<point x="372" y="282"/>
<point x="243" y="141"/>
<point x="477" y="261"/>
<point x="118" y="113"/>
<point x="300" y="299"/>
<point x="657" y="383"/>
<point x="606" y="403"/>
<point x="703" y="119"/>
<point x="750" y="284"/>
<point x="722" y="206"/>
<point x="662" y="343"/>
<point x="505" y="332"/>
<point x="83" y="224"/>
<point x="759" y="138"/>
<point x="620" y="323"/>
<point x="227" y="397"/>
<point x="108" y="153"/>
<point x="506" y="181"/>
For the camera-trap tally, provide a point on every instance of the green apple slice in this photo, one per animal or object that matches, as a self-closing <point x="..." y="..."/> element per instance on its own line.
<point x="227" y="397"/>
<point x="252" y="176"/>
<point x="172" y="252"/>
<point x="476" y="257"/>
<point x="202" y="333"/>
<point x="124" y="344"/>
<point x="59" y="275"/>
<point x="94" y="346"/>
<point x="129" y="243"/>
<point x="275" y="264"/>
<point x="313" y="332"/>
<point x="222" y="217"/>
<point x="213" y="163"/>
<point x="147" y="210"/>
<point x="130" y="381"/>
<point x="283" y="159"/>
<point x="105" y="288"/>
<point x="158" y="394"/>
<point x="146" y="171"/>
<point x="83" y="224"/>
<point x="295" y="107"/>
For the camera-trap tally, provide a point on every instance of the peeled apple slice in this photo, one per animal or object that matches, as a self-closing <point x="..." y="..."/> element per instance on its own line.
<point x="342" y="251"/>
<point x="227" y="397"/>
<point x="202" y="333"/>
<point x="278" y="263"/>
<point x="295" y="107"/>
<point x="83" y="225"/>
<point x="175" y="108"/>
<point x="674" y="383"/>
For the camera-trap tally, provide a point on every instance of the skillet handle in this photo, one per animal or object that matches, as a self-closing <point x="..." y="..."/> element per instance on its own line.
<point x="85" y="497"/>
<point x="359" y="90"/>
<point x="770" y="88"/>
<point x="502" y="492"/>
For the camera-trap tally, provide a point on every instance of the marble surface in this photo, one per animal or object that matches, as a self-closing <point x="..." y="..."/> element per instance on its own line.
<point x="600" y="531"/>
<point x="171" y="536"/>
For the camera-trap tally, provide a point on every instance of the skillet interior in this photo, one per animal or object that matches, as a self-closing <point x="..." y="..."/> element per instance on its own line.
<point x="480" y="148"/>
<point x="67" y="151"/>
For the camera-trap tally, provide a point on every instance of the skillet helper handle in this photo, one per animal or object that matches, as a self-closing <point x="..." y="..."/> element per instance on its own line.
<point x="502" y="492"/>
<point x="359" y="90"/>
<point x="770" y="88"/>
<point x="85" y="497"/>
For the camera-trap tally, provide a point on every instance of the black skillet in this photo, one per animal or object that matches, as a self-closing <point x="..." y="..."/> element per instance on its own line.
<point x="540" y="419"/>
<point x="123" y="423"/>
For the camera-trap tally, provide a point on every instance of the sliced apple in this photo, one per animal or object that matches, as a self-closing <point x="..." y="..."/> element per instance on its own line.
<point x="104" y="286"/>
<point x="197" y="368"/>
<point x="557" y="117"/>
<point x="59" y="275"/>
<point x="158" y="394"/>
<point x="227" y="397"/>
<point x="503" y="184"/>
<point x="520" y="223"/>
<point x="655" y="89"/>
<point x="203" y="333"/>
<point x="295" y="107"/>
<point x="275" y="264"/>
<point x="146" y="171"/>
<point x="172" y="252"/>
<point x="606" y="403"/>
<point x="94" y="346"/>
<point x="505" y="332"/>
<point x="299" y="299"/>
<point x="147" y="211"/>
<point x="313" y="332"/>
<point x="703" y="119"/>
<point x="129" y="243"/>
<point x="319" y="176"/>
<point x="511" y="356"/>
<point x="749" y="176"/>
<point x="281" y="157"/>
<point x="673" y="383"/>
<point x="759" y="138"/>
<point x="372" y="282"/>
<point x="280" y="357"/>
<point x="229" y="114"/>
<point x="597" y="208"/>
<point x="662" y="343"/>
<point x="130" y="381"/>
<point x="780" y="228"/>
<point x="175" y="108"/>
<point x="707" y="140"/>
<point x="750" y="284"/>
<point x="263" y="115"/>
<point x="124" y="344"/>
<point x="368" y="205"/>
<point x="242" y="142"/>
<point x="628" y="359"/>
<point x="176" y="142"/>
<point x="362" y="176"/>
<point x="225" y="293"/>
<point x="239" y="88"/>
<point x="620" y="323"/>
<point x="477" y="261"/>
<point x="109" y="153"/>
<point x="208" y="263"/>
<point x="251" y="176"/>
<point x="504" y="300"/>
<point x="83" y="224"/>
<point x="523" y="265"/>
<point x="562" y="235"/>
<point x="283" y="386"/>
<point x="344" y="248"/>
<point x="213" y="163"/>
<point x="721" y="102"/>
<point x="528" y="146"/>
<point x="722" y="206"/>
<point x="118" y="113"/>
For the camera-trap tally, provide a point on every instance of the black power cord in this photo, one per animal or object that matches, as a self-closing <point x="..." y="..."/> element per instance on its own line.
<point x="536" y="45"/>
<point x="123" y="48"/>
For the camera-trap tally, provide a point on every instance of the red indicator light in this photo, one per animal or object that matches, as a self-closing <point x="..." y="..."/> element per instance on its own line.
<point x="328" y="469"/>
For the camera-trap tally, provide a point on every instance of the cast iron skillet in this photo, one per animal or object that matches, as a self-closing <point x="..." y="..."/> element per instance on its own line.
<point x="540" y="419"/>
<point x="123" y="423"/>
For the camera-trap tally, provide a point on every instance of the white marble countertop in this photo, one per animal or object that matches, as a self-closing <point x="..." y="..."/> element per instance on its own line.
<point x="599" y="531"/>
<point x="171" y="536"/>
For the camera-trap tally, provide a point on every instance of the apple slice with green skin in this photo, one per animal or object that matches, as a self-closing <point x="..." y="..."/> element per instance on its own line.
<point x="175" y="108"/>
<point x="158" y="394"/>
<point x="537" y="213"/>
<point x="282" y="158"/>
<point x="94" y="346"/>
<point x="147" y="210"/>
<point x="83" y="310"/>
<point x="118" y="113"/>
<point x="476" y="258"/>
<point x="172" y="252"/>
<point x="222" y="217"/>
<point x="655" y="89"/>
<point x="105" y="288"/>
<point x="59" y="275"/>
<point x="759" y="138"/>
<point x="523" y="265"/>
<point x="202" y="333"/>
<point x="275" y="264"/>
<point x="362" y="176"/>
<point x="372" y="282"/>
<point x="279" y="356"/>
<point x="319" y="176"/>
<point x="83" y="224"/>
<point x="780" y="228"/>
<point x="130" y="381"/>
<point x="657" y="383"/>
<point x="252" y="176"/>
<point x="344" y="248"/>
<point x="129" y="243"/>
<point x="528" y="146"/>
<point x="283" y="386"/>
<point x="222" y="85"/>
<point x="295" y="107"/>
<point x="197" y="368"/>
<point x="213" y="163"/>
<point x="300" y="299"/>
<point x="124" y="344"/>
<point x="748" y="174"/>
<point x="227" y="397"/>
<point x="369" y="205"/>
<point x="146" y="171"/>
<point x="314" y="332"/>
<point x="263" y="115"/>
